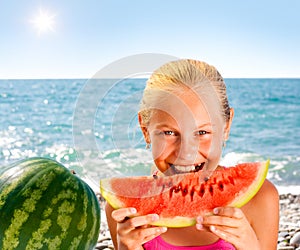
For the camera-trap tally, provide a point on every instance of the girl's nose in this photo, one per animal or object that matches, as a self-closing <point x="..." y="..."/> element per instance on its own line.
<point x="187" y="150"/>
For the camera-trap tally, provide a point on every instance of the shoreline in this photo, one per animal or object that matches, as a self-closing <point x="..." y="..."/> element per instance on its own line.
<point x="292" y="189"/>
<point x="289" y="222"/>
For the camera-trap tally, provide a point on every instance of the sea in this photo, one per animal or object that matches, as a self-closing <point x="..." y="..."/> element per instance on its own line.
<point x="91" y="126"/>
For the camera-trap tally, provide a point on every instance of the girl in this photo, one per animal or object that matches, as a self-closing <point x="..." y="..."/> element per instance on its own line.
<point x="186" y="118"/>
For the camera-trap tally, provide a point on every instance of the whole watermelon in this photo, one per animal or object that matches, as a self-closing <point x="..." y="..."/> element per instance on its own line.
<point x="44" y="206"/>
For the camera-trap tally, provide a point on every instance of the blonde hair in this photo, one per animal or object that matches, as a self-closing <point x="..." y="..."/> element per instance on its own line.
<point x="178" y="76"/>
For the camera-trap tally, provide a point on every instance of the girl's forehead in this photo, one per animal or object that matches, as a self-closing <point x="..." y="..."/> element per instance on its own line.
<point x="185" y="105"/>
<point x="186" y="108"/>
<point x="192" y="100"/>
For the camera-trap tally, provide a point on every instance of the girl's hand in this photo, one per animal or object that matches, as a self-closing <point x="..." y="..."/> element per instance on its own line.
<point x="231" y="225"/>
<point x="133" y="232"/>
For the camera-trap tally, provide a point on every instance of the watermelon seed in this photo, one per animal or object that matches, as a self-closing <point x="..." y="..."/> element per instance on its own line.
<point x="192" y="193"/>
<point x="211" y="190"/>
<point x="171" y="191"/>
<point x="185" y="191"/>
<point x="177" y="189"/>
<point x="221" y="186"/>
<point x="202" y="190"/>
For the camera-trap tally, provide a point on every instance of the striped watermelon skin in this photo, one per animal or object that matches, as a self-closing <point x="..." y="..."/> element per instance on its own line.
<point x="44" y="206"/>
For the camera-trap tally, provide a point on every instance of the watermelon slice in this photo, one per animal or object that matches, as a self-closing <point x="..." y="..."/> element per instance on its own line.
<point x="179" y="199"/>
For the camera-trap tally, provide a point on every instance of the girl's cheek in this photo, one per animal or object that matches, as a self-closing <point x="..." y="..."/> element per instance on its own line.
<point x="211" y="149"/>
<point x="214" y="157"/>
<point x="204" y="147"/>
<point x="158" y="149"/>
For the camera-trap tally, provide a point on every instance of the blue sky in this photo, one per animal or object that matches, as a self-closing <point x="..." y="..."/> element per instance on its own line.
<point x="242" y="39"/>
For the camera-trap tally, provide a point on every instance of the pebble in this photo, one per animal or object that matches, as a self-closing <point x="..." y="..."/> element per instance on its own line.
<point x="286" y="248"/>
<point x="295" y="240"/>
<point x="289" y="223"/>
<point x="288" y="234"/>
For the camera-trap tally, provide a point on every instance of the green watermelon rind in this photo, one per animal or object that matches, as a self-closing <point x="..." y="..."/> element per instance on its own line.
<point x="47" y="195"/>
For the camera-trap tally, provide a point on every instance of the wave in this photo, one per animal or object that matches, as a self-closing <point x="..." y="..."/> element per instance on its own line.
<point x="284" y="170"/>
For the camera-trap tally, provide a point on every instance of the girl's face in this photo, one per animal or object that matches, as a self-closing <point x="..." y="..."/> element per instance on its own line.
<point x="186" y="133"/>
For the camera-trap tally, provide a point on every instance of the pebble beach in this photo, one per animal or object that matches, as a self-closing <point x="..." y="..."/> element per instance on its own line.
<point x="289" y="224"/>
<point x="288" y="234"/>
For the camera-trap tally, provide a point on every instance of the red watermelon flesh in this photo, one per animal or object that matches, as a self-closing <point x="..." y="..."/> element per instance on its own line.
<point x="179" y="199"/>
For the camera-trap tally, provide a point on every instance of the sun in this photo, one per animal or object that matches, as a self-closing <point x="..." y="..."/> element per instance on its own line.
<point x="44" y="22"/>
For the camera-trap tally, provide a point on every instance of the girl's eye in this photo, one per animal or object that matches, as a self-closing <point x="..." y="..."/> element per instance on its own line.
<point x="169" y="132"/>
<point x="202" y="132"/>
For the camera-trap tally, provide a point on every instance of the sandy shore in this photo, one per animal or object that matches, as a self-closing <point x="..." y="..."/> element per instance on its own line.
<point x="288" y="234"/>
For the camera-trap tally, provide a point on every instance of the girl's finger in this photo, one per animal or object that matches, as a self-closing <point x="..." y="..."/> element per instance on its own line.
<point x="231" y="212"/>
<point x="150" y="233"/>
<point x="220" y="221"/>
<point x="235" y="231"/>
<point x="140" y="221"/>
<point x="227" y="235"/>
<point x="120" y="215"/>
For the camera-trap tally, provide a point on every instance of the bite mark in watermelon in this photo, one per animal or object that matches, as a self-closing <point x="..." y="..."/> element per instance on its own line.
<point x="179" y="199"/>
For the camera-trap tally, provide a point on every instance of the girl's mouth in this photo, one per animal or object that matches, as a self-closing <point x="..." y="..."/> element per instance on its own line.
<point x="184" y="169"/>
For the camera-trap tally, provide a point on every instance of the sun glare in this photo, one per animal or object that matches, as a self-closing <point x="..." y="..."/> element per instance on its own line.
<point x="43" y="22"/>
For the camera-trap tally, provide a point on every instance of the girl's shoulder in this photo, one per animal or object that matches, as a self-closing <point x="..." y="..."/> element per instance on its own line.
<point x="266" y="201"/>
<point x="267" y="193"/>
<point x="262" y="212"/>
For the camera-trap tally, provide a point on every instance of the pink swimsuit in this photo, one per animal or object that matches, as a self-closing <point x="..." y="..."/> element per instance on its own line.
<point x="159" y="244"/>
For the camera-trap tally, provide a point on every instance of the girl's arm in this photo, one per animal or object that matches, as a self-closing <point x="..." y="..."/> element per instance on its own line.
<point x="264" y="216"/>
<point x="112" y="225"/>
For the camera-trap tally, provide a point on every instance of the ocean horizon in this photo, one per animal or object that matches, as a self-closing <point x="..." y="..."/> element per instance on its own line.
<point x="90" y="125"/>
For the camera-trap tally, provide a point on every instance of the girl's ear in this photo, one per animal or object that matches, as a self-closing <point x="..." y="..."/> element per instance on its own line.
<point x="228" y="125"/>
<point x="144" y="129"/>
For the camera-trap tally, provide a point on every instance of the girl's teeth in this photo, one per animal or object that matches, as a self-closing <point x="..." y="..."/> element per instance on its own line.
<point x="184" y="168"/>
<point x="187" y="169"/>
